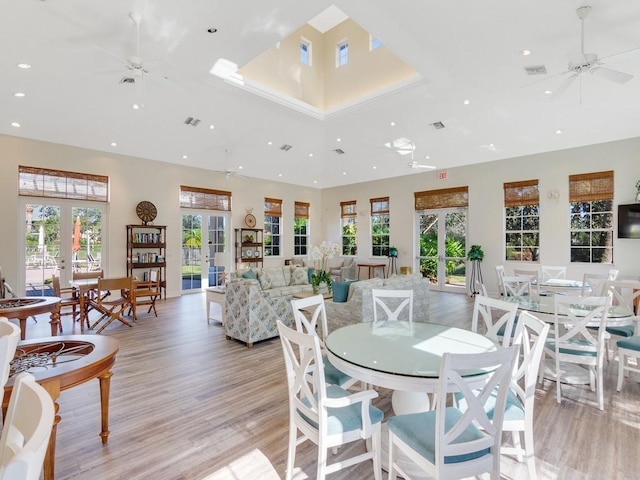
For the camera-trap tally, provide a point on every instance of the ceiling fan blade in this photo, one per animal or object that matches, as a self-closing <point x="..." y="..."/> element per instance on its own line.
<point x="620" y="53"/>
<point x="124" y="61"/>
<point x="613" y="75"/>
<point x="564" y="85"/>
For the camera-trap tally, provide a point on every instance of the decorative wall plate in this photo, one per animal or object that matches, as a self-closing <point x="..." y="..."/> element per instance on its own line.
<point x="250" y="253"/>
<point x="256" y="254"/>
<point x="146" y="212"/>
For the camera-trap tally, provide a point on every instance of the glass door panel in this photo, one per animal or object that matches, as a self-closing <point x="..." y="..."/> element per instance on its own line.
<point x="441" y="247"/>
<point x="191" y="252"/>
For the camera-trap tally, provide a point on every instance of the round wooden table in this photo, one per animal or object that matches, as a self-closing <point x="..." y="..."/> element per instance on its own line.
<point x="62" y="362"/>
<point x="25" y="307"/>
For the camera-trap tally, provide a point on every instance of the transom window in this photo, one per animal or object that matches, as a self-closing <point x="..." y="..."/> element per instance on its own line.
<point x="342" y="57"/>
<point x="591" y="203"/>
<point x="272" y="235"/>
<point x="522" y="221"/>
<point x="305" y="51"/>
<point x="380" y="227"/>
<point x="301" y="228"/>
<point x="349" y="218"/>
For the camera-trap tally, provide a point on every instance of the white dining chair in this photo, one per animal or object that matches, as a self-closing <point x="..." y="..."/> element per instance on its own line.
<point x="516" y="286"/>
<point x="595" y="284"/>
<point x="392" y="305"/>
<point x="448" y="442"/>
<point x="327" y="415"/>
<point x="500" y="273"/>
<point x="498" y="317"/>
<point x="575" y="343"/>
<point x="551" y="272"/>
<point x="9" y="337"/>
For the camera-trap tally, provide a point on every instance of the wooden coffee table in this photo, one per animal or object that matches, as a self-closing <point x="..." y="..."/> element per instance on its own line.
<point x="25" y="307"/>
<point x="62" y="362"/>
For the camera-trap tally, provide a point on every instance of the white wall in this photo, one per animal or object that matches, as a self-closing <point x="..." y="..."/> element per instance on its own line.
<point x="134" y="179"/>
<point x="131" y="181"/>
<point x="486" y="204"/>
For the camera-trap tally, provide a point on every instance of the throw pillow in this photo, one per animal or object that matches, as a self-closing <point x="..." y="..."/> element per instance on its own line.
<point x="299" y="276"/>
<point x="310" y="272"/>
<point x="250" y="274"/>
<point x="341" y="290"/>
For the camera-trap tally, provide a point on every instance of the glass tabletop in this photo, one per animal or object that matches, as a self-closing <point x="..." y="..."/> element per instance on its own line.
<point x="403" y="348"/>
<point x="545" y="304"/>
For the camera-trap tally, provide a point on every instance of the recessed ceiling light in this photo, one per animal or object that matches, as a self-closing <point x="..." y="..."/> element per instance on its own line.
<point x="184" y="157"/>
<point x="315" y="181"/>
<point x="269" y="142"/>
<point x="558" y="132"/>
<point x="279" y="174"/>
<point x="15" y="124"/>
<point x="338" y="139"/>
<point x="311" y="155"/>
<point x="113" y="144"/>
<point x="135" y="106"/>
<point x="23" y="65"/>
<point x="548" y="92"/>
<point x="393" y="124"/>
<point x="19" y="94"/>
<point x="466" y="102"/>
<point x="525" y="52"/>
<point x="427" y="157"/>
<point x="344" y="173"/>
<point x="240" y="167"/>
<point x="212" y="126"/>
<point x="374" y="167"/>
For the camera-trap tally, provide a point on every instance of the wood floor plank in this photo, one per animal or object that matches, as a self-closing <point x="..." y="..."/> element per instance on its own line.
<point x="188" y="404"/>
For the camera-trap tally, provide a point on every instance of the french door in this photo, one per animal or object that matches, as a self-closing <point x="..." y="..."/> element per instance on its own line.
<point x="60" y="237"/>
<point x="204" y="240"/>
<point x="441" y="243"/>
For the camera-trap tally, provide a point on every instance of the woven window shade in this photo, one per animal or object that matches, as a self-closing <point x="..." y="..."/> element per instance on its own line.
<point x="587" y="187"/>
<point x="45" y="182"/>
<point x="273" y="207"/>
<point x="205" y="199"/>
<point x="379" y="206"/>
<point x="348" y="209"/>
<point x="302" y="209"/>
<point x="443" y="198"/>
<point x="517" y="194"/>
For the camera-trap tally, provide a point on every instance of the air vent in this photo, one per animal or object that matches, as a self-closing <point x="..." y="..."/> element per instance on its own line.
<point x="536" y="70"/>
<point x="127" y="80"/>
<point x="339" y="151"/>
<point x="438" y="125"/>
<point x="286" y="148"/>
<point x="192" y="121"/>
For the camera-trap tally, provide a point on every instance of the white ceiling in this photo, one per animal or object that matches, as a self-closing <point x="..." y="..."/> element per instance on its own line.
<point x="463" y="49"/>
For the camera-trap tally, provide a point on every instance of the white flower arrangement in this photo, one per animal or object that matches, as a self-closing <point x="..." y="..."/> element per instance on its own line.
<point x="321" y="254"/>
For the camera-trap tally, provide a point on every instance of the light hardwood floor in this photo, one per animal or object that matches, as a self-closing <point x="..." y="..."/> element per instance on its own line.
<point x="188" y="404"/>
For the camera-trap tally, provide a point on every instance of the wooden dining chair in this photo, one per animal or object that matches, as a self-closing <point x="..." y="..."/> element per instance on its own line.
<point x="145" y="293"/>
<point x="70" y="299"/>
<point x="112" y="300"/>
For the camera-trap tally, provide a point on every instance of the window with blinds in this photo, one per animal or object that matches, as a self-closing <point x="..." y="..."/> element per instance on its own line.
<point x="301" y="228"/>
<point x="380" y="223"/>
<point x="349" y="217"/>
<point x="46" y="182"/>
<point x="522" y="221"/>
<point x="272" y="236"/>
<point x="456" y="197"/>
<point x="204" y="199"/>
<point x="591" y="207"/>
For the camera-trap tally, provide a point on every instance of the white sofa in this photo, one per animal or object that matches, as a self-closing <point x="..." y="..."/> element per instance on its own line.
<point x="253" y="305"/>
<point x="359" y="304"/>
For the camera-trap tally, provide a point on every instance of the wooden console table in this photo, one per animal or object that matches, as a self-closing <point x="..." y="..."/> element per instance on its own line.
<point x="372" y="268"/>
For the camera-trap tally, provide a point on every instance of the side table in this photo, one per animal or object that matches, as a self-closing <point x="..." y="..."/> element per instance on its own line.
<point x="216" y="295"/>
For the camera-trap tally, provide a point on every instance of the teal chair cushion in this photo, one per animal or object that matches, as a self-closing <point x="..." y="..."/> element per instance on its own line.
<point x="341" y="290"/>
<point x="631" y="343"/>
<point x="514" y="410"/>
<point x="250" y="274"/>
<point x="418" y="431"/>
<point x="551" y="345"/>
<point x="332" y="375"/>
<point x="345" y="419"/>
<point x="624" y="331"/>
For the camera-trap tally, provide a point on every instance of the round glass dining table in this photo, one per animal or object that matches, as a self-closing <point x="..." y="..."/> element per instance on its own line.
<point x="402" y="356"/>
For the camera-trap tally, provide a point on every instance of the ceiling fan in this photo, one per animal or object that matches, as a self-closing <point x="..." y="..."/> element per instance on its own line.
<point x="590" y="62"/>
<point x="228" y="172"/>
<point x="136" y="69"/>
<point x="416" y="165"/>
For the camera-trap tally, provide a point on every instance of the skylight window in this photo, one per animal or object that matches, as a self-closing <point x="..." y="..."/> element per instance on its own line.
<point x="305" y="52"/>
<point x="342" y="54"/>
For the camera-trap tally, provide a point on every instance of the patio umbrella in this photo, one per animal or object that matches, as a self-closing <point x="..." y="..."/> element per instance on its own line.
<point x="76" y="236"/>
<point x="41" y="239"/>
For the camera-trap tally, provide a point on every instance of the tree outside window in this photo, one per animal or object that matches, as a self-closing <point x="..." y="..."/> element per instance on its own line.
<point x="591" y="203"/>
<point x="380" y="227"/>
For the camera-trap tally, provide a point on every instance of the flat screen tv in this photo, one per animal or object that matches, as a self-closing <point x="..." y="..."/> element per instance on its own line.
<point x="629" y="221"/>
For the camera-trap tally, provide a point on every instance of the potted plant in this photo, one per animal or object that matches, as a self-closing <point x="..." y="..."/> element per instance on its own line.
<point x="475" y="253"/>
<point x="318" y="278"/>
<point x="393" y="252"/>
